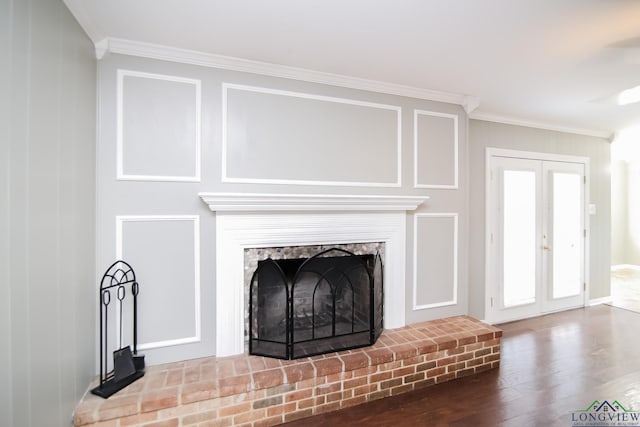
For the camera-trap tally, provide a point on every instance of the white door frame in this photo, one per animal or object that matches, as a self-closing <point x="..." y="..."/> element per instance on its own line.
<point x="501" y="152"/>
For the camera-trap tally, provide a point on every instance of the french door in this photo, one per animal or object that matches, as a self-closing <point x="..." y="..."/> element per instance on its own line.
<point x="536" y="236"/>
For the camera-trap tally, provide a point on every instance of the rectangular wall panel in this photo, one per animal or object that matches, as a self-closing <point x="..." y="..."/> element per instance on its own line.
<point x="435" y="150"/>
<point x="280" y="137"/>
<point x="164" y="252"/>
<point x="158" y="127"/>
<point x="435" y="262"/>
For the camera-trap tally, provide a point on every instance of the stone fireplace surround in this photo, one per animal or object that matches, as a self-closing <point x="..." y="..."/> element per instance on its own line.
<point x="252" y="391"/>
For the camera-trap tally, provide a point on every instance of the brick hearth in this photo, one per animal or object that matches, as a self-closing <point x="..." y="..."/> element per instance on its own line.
<point x="256" y="391"/>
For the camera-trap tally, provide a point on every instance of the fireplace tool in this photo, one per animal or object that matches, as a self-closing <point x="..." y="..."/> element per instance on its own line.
<point x="128" y="365"/>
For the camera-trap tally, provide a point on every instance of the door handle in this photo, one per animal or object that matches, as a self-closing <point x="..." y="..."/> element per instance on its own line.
<point x="546" y="248"/>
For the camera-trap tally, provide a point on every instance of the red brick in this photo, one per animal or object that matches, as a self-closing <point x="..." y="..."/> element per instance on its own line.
<point x="270" y="378"/>
<point x="117" y="407"/>
<point x="249" y="417"/>
<point x="491" y="343"/>
<point x="364" y="371"/>
<point x="199" y="391"/>
<point x="154" y="400"/>
<point x="474" y="347"/>
<point x="426" y="346"/>
<point x="355" y="361"/>
<point x="220" y="422"/>
<point x="413" y="361"/>
<point x="137" y="419"/>
<point x="199" y="417"/>
<point x="380" y="356"/>
<point x="306" y="403"/>
<point x="474" y="362"/>
<point x="332" y="397"/>
<point x="365" y="389"/>
<point x="435" y="355"/>
<point x="404" y="351"/>
<point x="426" y="365"/>
<point x="390" y="383"/>
<point x="467" y="340"/>
<point x="446" y="361"/>
<point x="435" y="372"/>
<point x="445" y="342"/>
<point x="375" y="378"/>
<point x="327" y="366"/>
<point x="235" y="409"/>
<point x="265" y="403"/>
<point x="414" y="378"/>
<point x="326" y="389"/>
<point x="455" y="367"/>
<point x="404" y="371"/>
<point x="455" y="350"/>
<point x="356" y="382"/>
<point x="482" y="352"/>
<point x="298" y="395"/>
<point x="465" y="372"/>
<point x="338" y="377"/>
<point x="379" y="394"/>
<point x="485" y="337"/>
<point x="464" y="356"/>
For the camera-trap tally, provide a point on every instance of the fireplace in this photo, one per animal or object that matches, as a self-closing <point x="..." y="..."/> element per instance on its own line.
<point x="300" y="307"/>
<point x="279" y="220"/>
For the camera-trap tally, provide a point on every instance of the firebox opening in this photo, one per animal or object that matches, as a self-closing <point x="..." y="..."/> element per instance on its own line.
<point x="302" y="307"/>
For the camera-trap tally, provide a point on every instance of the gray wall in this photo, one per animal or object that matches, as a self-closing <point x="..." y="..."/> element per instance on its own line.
<point x="632" y="253"/>
<point x="305" y="131"/>
<point x="47" y="210"/>
<point x="619" y="213"/>
<point x="484" y="134"/>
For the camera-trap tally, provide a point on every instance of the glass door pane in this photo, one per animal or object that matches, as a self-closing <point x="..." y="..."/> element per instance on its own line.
<point x="519" y="237"/>
<point x="567" y="234"/>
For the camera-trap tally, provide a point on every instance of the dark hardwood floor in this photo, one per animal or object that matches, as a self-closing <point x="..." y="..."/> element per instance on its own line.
<point x="551" y="366"/>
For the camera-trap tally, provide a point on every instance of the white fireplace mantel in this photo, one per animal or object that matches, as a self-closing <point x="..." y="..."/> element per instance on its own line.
<point x="271" y="220"/>
<point x="248" y="202"/>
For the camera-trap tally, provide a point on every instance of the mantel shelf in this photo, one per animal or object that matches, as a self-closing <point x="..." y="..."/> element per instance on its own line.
<point x="248" y="202"/>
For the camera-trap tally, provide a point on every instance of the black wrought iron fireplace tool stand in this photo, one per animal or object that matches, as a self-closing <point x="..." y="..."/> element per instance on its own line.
<point x="117" y="283"/>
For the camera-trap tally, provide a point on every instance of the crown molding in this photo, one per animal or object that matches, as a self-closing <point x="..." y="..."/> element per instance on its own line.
<point x="496" y="118"/>
<point x="166" y="53"/>
<point x="470" y="103"/>
<point x="247" y="202"/>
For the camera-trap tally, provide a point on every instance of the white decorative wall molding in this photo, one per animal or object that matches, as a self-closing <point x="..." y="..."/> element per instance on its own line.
<point x="254" y="202"/>
<point x="166" y="53"/>
<point x="120" y="173"/>
<point x="454" y="118"/>
<point x="303" y="95"/>
<point x="454" y="284"/>
<point x="195" y="219"/>
<point x="235" y="232"/>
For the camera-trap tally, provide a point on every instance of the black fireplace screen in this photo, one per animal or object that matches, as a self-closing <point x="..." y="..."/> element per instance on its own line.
<point x="302" y="307"/>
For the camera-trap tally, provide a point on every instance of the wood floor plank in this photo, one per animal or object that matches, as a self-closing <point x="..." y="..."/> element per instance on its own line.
<point x="551" y="366"/>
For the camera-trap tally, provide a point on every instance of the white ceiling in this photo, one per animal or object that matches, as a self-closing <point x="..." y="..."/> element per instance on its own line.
<point x="548" y="61"/>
